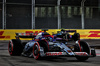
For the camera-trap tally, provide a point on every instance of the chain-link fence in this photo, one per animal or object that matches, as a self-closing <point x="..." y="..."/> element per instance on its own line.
<point x="19" y="14"/>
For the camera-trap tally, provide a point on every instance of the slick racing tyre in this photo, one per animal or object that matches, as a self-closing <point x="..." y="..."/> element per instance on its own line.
<point x="36" y="51"/>
<point x="45" y="45"/>
<point x="82" y="47"/>
<point x="15" y="47"/>
<point x="36" y="48"/>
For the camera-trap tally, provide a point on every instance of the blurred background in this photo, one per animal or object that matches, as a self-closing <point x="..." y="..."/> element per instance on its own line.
<point x="51" y="14"/>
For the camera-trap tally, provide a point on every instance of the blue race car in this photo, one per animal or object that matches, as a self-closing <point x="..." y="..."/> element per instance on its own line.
<point x="44" y="45"/>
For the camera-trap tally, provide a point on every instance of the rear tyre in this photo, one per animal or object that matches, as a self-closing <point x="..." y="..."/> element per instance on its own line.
<point x="15" y="47"/>
<point x="84" y="47"/>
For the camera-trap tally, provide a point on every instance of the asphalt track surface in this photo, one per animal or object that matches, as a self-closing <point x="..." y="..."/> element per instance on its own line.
<point x="7" y="60"/>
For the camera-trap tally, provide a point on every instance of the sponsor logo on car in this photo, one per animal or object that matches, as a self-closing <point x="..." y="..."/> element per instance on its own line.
<point x="53" y="53"/>
<point x="81" y="53"/>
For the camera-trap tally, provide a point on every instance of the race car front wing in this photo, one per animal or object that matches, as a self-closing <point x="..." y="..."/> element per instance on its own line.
<point x="69" y="53"/>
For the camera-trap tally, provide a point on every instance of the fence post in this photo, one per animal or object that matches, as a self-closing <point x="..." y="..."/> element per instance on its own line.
<point x="82" y="15"/>
<point x="33" y="14"/>
<point x="59" y="14"/>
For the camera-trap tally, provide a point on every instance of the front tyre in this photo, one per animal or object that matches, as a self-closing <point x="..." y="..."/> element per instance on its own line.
<point x="83" y="47"/>
<point x="36" y="51"/>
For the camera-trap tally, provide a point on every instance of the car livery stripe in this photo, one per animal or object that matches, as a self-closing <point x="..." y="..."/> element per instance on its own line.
<point x="55" y="53"/>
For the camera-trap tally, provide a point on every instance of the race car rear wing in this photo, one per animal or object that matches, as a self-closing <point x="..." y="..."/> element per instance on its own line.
<point x="28" y="35"/>
<point x="25" y="35"/>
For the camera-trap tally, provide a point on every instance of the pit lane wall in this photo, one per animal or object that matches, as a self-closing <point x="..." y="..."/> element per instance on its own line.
<point x="84" y="33"/>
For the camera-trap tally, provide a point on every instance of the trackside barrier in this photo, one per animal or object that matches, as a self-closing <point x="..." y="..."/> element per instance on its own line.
<point x="84" y="33"/>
